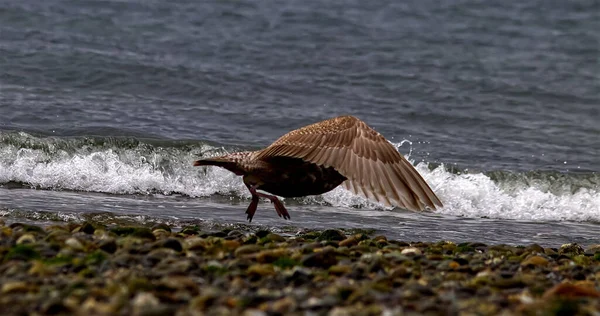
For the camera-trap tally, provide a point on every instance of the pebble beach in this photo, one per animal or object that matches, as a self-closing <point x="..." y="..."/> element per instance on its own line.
<point x="97" y="269"/>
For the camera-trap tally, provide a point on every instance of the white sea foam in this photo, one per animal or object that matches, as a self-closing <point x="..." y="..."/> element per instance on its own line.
<point x="476" y="195"/>
<point x="127" y="171"/>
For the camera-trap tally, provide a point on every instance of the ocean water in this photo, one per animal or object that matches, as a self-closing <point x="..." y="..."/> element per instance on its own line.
<point x="104" y="105"/>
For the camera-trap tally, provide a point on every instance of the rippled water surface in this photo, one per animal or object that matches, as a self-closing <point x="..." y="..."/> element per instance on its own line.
<point x="104" y="105"/>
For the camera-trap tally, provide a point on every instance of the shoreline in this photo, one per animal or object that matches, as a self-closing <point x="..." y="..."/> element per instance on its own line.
<point x="90" y="268"/>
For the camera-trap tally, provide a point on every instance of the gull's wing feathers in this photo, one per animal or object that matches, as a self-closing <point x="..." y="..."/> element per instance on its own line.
<point x="373" y="167"/>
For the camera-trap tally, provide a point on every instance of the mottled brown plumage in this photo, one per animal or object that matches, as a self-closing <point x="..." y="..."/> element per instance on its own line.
<point x="317" y="158"/>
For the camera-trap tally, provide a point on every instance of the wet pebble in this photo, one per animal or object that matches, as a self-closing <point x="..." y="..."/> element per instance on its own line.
<point x="108" y="245"/>
<point x="247" y="249"/>
<point x="321" y="259"/>
<point x="537" y="261"/>
<point x="332" y="235"/>
<point x="26" y="239"/>
<point x="170" y="243"/>
<point x="412" y="251"/>
<point x="71" y="269"/>
<point x="87" y="228"/>
<point x="571" y="250"/>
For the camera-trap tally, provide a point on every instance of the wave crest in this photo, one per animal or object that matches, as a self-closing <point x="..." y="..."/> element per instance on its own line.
<point x="132" y="166"/>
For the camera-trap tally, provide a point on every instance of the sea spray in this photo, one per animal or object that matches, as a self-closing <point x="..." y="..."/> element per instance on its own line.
<point x="129" y="165"/>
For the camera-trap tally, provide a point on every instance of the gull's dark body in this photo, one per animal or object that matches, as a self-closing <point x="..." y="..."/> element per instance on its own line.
<point x="293" y="177"/>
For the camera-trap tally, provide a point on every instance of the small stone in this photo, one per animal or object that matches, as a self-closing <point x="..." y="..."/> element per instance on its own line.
<point x="219" y="234"/>
<point x="502" y="249"/>
<point x="299" y="276"/>
<point x="195" y="243"/>
<point x="396" y="257"/>
<point x="139" y="232"/>
<point x="234" y="234"/>
<point x="453" y="264"/>
<point x="272" y="237"/>
<point x="550" y="252"/>
<point x="508" y="283"/>
<point x="75" y="244"/>
<point x="571" y="249"/>
<point x="534" y="248"/>
<point x="381" y="243"/>
<point x="40" y="269"/>
<point x="58" y="236"/>
<point x="190" y="230"/>
<point x="102" y="233"/>
<point x="349" y="242"/>
<point x="260" y="270"/>
<point x="253" y="312"/>
<point x="283" y="306"/>
<point x="269" y="256"/>
<point x="247" y="249"/>
<point x="91" y="306"/>
<point x="170" y="243"/>
<point x="537" y="261"/>
<point x="30" y="228"/>
<point x="593" y="249"/>
<point x="566" y="290"/>
<point x="14" y="286"/>
<point x="109" y="245"/>
<point x="286" y="262"/>
<point x="368" y="244"/>
<point x="310" y="247"/>
<point x="435" y="257"/>
<point x="16" y="226"/>
<point x="262" y="233"/>
<point x="176" y="266"/>
<point x="401" y="244"/>
<point x="346" y="310"/>
<point x="250" y="239"/>
<point x="160" y="233"/>
<point x="161" y="226"/>
<point x="232" y="302"/>
<point x="182" y="283"/>
<point x="321" y="259"/>
<point x="331" y="235"/>
<point x="214" y="266"/>
<point x="205" y="300"/>
<point x="26" y="239"/>
<point x="6" y="231"/>
<point x="380" y="238"/>
<point x="87" y="228"/>
<point x="55" y="307"/>
<point x="157" y="255"/>
<point x="316" y="302"/>
<point x="230" y="244"/>
<point x="22" y="252"/>
<point x="144" y="302"/>
<point x="340" y="269"/>
<point x="411" y="251"/>
<point x="311" y="235"/>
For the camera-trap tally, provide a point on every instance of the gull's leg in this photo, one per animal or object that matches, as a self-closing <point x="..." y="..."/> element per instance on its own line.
<point x="253" y="204"/>
<point x="279" y="208"/>
<point x="252" y="208"/>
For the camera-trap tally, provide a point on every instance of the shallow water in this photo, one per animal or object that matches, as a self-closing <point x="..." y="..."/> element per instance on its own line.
<point x="222" y="211"/>
<point x="104" y="105"/>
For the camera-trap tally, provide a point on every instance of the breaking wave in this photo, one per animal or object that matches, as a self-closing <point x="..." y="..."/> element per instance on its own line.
<point x="131" y="165"/>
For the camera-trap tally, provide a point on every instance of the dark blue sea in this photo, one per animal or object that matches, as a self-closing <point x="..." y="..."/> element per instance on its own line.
<point x="104" y="105"/>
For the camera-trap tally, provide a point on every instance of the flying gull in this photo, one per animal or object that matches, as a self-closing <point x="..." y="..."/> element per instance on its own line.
<point x="317" y="158"/>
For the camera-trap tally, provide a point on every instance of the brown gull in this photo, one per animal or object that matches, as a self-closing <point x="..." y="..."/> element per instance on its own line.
<point x="317" y="158"/>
